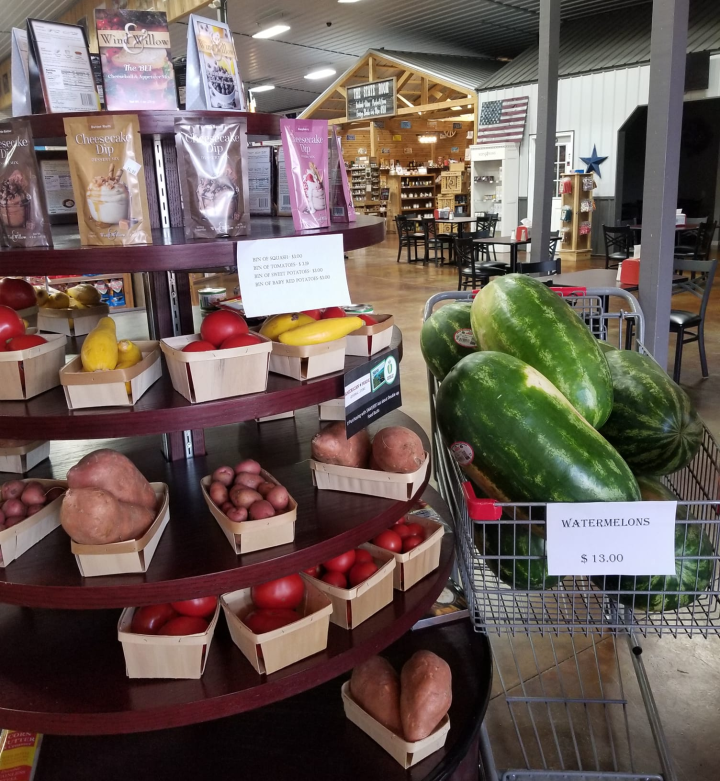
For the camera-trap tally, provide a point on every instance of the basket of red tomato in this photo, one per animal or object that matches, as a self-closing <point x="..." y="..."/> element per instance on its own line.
<point x="374" y="336"/>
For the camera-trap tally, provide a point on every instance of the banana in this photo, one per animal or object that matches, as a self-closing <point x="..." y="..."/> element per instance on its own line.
<point x="128" y="354"/>
<point x="279" y="324"/>
<point x="100" y="348"/>
<point x="85" y="293"/>
<point x="320" y="331"/>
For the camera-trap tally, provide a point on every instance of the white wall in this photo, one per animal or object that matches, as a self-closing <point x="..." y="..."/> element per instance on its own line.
<point x="595" y="106"/>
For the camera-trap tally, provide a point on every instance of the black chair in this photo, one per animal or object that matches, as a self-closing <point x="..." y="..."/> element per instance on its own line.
<point x="682" y="320"/>
<point x="470" y="270"/>
<point x="543" y="267"/>
<point x="618" y="244"/>
<point x="687" y="239"/>
<point x="433" y="240"/>
<point x="700" y="250"/>
<point x="488" y="222"/>
<point x="408" y="236"/>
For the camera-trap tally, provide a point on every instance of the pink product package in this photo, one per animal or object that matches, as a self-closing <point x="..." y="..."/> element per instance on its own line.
<point x="305" y="144"/>
<point x="342" y="208"/>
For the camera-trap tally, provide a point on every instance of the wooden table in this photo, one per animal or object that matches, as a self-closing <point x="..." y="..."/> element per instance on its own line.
<point x="596" y="277"/>
<point x="505" y="241"/>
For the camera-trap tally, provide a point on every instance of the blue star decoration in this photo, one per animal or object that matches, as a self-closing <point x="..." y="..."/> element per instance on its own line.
<point x="593" y="162"/>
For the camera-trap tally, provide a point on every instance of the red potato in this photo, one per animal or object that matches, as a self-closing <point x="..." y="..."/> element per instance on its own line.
<point x="248" y="465"/>
<point x="278" y="498"/>
<point x="361" y="572"/>
<point x="227" y="506"/>
<point x="264" y="488"/>
<point x="397" y="449"/>
<point x="335" y="579"/>
<point x="13" y="520"/>
<point x="218" y="493"/>
<point x="249" y="480"/>
<point x="425" y="694"/>
<point x="34" y="508"/>
<point x="114" y="473"/>
<point x="54" y="493"/>
<point x="261" y="510"/>
<point x="375" y="686"/>
<point x="237" y="514"/>
<point x="331" y="446"/>
<point x="92" y="516"/>
<point x="241" y="496"/>
<point x="12" y="489"/>
<point x="34" y="493"/>
<point x="224" y="475"/>
<point x="14" y="507"/>
<point x="411" y="542"/>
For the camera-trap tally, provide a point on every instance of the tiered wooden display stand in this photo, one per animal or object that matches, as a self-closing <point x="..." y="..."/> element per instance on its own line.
<point x="579" y="247"/>
<point x="62" y="671"/>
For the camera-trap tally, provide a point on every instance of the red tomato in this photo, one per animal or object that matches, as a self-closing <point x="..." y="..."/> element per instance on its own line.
<point x="201" y="606"/>
<point x="150" y="619"/>
<point x="198" y="347"/>
<point x="315" y="571"/>
<point x="341" y="563"/>
<point x="332" y="311"/>
<point x="416" y="528"/>
<point x="335" y="579"/>
<point x="283" y="592"/>
<point x="184" y="625"/>
<point x="362" y="555"/>
<point x="368" y="319"/>
<point x="401" y="530"/>
<point x="389" y="540"/>
<point x="17" y="293"/>
<point x="221" y="325"/>
<point x="261" y="621"/>
<point x="24" y="342"/>
<point x="11" y="324"/>
<point x="401" y="521"/>
<point x="361" y="572"/>
<point x="314" y="313"/>
<point x="241" y="340"/>
<point x="412" y="542"/>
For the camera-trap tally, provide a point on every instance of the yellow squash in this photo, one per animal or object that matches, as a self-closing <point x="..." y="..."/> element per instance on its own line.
<point x="58" y="301"/>
<point x="100" y="348"/>
<point x="128" y="355"/>
<point x="41" y="296"/>
<point x="320" y="331"/>
<point x="85" y="293"/>
<point x="279" y="324"/>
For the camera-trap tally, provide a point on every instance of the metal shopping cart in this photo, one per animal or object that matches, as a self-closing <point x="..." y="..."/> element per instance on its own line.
<point x="565" y="650"/>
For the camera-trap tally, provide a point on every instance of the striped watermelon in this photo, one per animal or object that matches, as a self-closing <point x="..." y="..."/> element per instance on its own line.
<point x="520" y="440"/>
<point x="446" y="337"/>
<point x="653" y="424"/>
<point x="520" y="316"/>
<point x="606" y="347"/>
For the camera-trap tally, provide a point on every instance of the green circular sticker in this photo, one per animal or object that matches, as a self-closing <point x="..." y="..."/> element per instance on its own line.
<point x="390" y="370"/>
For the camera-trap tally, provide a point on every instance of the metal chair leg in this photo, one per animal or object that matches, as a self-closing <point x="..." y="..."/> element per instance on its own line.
<point x="701" y="347"/>
<point x="400" y="248"/>
<point x="678" y="355"/>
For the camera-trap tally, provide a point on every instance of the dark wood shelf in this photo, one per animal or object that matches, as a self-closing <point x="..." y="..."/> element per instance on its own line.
<point x="315" y="740"/>
<point x="162" y="409"/>
<point x="170" y="251"/>
<point x="63" y="672"/>
<point x="194" y="558"/>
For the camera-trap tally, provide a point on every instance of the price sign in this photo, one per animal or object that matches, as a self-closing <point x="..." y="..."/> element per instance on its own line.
<point x="611" y="538"/>
<point x="371" y="391"/>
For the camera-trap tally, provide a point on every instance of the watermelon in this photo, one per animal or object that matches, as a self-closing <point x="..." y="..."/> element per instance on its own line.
<point x="692" y="576"/>
<point x="606" y="347"/>
<point x="446" y="337"/>
<point x="653" y="424"/>
<point x="520" y="316"/>
<point x="520" y="440"/>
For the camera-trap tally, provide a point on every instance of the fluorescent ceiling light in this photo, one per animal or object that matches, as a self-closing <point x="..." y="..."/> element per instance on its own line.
<point x="323" y="73"/>
<point x="348" y="1"/>
<point x="273" y="30"/>
<point x="427" y="139"/>
<point x="262" y="88"/>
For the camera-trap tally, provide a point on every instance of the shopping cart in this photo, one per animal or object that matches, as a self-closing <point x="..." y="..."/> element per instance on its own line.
<point x="564" y="648"/>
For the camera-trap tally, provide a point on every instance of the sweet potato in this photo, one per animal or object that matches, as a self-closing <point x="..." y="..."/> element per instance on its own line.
<point x="397" y="449"/>
<point x="331" y="446"/>
<point x="113" y="472"/>
<point x="92" y="516"/>
<point x="375" y="687"/>
<point x="425" y="694"/>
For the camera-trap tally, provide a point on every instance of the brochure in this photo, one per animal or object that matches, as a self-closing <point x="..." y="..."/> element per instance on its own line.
<point x="260" y="179"/>
<point x="136" y="60"/>
<point x="19" y="73"/>
<point x="213" y="79"/>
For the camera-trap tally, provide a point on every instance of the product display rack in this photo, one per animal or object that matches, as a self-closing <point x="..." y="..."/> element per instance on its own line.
<point x="578" y="246"/>
<point x="76" y="280"/>
<point x="412" y="194"/>
<point x="66" y="675"/>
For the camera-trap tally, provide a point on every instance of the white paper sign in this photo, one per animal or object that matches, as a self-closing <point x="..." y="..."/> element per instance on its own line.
<point x="289" y="275"/>
<point x="611" y="538"/>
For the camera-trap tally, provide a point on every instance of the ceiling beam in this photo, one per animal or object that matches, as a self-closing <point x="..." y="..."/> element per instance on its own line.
<point x="424" y="90"/>
<point x="432" y="106"/>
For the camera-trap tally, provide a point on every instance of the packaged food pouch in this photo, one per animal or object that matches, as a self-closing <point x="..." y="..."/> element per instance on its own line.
<point x="305" y="144"/>
<point x="105" y="155"/>
<point x="342" y="208"/>
<point x="212" y="162"/>
<point x="23" y="213"/>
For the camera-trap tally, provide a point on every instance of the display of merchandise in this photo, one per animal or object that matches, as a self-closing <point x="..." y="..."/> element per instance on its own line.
<point x="584" y="228"/>
<point x="566" y="186"/>
<point x="566" y="213"/>
<point x="588" y="183"/>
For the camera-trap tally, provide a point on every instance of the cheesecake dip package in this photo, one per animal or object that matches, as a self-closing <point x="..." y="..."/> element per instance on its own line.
<point x="105" y="155"/>
<point x="305" y="144"/>
<point x="23" y="213"/>
<point x="342" y="208"/>
<point x="213" y="167"/>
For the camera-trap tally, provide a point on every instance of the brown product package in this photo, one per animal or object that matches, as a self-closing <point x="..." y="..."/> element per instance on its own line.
<point x="23" y="214"/>
<point x="212" y="160"/>
<point x="105" y="154"/>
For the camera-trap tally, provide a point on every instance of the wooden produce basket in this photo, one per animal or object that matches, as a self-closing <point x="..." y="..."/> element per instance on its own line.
<point x="407" y="754"/>
<point x="29" y="315"/>
<point x="216" y="374"/>
<point x="308" y="361"/>
<point x="20" y="538"/>
<point x="371" y="482"/>
<point x="332" y="410"/>
<point x="161" y="656"/>
<point x="352" y="606"/>
<point x="279" y="416"/>
<point x="28" y="373"/>
<point x="271" y="651"/>
<point x="370" y="339"/>
<point x="119" y="558"/>
<point x="249" y="536"/>
<point x="414" y="565"/>
<point x="69" y="321"/>
<point x="21" y="455"/>
<point x="109" y="388"/>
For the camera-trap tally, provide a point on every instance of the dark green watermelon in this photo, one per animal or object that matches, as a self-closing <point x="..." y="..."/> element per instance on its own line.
<point x="653" y="424"/>
<point x="606" y="347"/>
<point x="446" y="337"/>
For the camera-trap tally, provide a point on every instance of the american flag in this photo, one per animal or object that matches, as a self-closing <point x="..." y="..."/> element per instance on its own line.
<point x="502" y="120"/>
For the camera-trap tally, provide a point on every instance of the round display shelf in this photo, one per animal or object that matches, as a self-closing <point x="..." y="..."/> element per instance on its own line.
<point x="162" y="410"/>
<point x="193" y="557"/>
<point x="170" y="251"/>
<point x="63" y="672"/>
